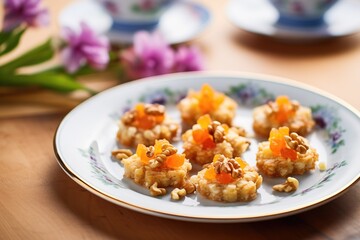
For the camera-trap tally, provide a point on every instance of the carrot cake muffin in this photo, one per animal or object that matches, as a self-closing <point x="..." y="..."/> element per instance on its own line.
<point x="282" y="112"/>
<point x="157" y="167"/>
<point x="207" y="101"/>
<point x="227" y="180"/>
<point x="285" y="154"/>
<point x="144" y="124"/>
<point x="208" y="138"/>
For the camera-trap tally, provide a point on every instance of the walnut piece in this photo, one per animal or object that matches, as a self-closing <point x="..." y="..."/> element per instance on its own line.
<point x="213" y="125"/>
<point x="291" y="184"/>
<point x="129" y="117"/>
<point x="239" y="130"/>
<point x="121" y="154"/>
<point x="166" y="151"/>
<point x="150" y="151"/>
<point x="154" y="109"/>
<point x="226" y="165"/>
<point x="154" y="163"/>
<point x="189" y="187"/>
<point x="155" y="191"/>
<point x="217" y="131"/>
<point x="177" y="193"/>
<point x="296" y="142"/>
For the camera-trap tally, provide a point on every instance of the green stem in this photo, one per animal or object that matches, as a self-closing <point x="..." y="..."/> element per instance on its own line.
<point x="10" y="40"/>
<point x="57" y="82"/>
<point x="37" y="55"/>
<point x="86" y="69"/>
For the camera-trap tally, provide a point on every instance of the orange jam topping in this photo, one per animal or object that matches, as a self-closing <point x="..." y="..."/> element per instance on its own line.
<point x="175" y="161"/>
<point x="209" y="99"/>
<point x="221" y="176"/>
<point x="172" y="161"/>
<point x="224" y="178"/>
<point x="202" y="135"/>
<point x="241" y="162"/>
<point x="285" y="110"/>
<point x="141" y="152"/>
<point x="210" y="174"/>
<point x="278" y="144"/>
<point x="145" y="116"/>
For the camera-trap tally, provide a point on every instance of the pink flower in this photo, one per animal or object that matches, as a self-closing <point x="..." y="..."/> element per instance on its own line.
<point x="149" y="56"/>
<point x="188" y="59"/>
<point x="24" y="11"/>
<point x="83" y="48"/>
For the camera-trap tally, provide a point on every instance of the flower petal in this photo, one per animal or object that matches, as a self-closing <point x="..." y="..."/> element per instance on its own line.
<point x="24" y="11"/>
<point x="85" y="47"/>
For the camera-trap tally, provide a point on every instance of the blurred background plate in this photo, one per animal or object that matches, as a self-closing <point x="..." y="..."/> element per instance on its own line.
<point x="258" y="16"/>
<point x="181" y="23"/>
<point x="86" y="11"/>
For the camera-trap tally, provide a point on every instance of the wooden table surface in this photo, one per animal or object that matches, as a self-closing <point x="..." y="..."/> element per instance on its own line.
<point x="39" y="201"/>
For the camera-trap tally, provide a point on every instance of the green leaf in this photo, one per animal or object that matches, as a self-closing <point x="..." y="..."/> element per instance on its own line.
<point x="38" y="55"/>
<point x="57" y="82"/>
<point x="57" y="69"/>
<point x="4" y="36"/>
<point x="11" y="41"/>
<point x="84" y="70"/>
<point x="113" y="66"/>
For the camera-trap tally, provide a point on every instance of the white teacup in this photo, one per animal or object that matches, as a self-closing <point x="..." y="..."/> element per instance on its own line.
<point x="302" y="13"/>
<point x="134" y="15"/>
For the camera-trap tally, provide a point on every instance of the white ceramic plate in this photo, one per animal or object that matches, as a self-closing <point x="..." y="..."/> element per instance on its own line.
<point x="259" y="16"/>
<point x="181" y="23"/>
<point x="86" y="137"/>
<point x="171" y="26"/>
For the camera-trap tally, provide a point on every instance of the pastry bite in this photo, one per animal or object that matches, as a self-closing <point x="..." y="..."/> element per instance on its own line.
<point x="282" y="112"/>
<point x="208" y="138"/>
<point x="144" y="124"/>
<point x="207" y="101"/>
<point x="285" y="154"/>
<point x="157" y="167"/>
<point x="227" y="180"/>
